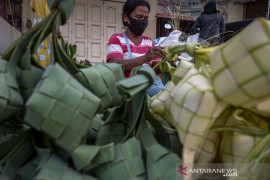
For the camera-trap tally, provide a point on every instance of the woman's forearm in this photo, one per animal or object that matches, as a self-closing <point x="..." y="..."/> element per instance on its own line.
<point x="130" y="64"/>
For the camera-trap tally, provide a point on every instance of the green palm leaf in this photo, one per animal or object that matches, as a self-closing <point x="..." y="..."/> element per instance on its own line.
<point x="15" y="155"/>
<point x="29" y="75"/>
<point x="61" y="107"/>
<point x="127" y="163"/>
<point x="94" y="128"/>
<point x="104" y="156"/>
<point x="53" y="168"/>
<point x="141" y="78"/>
<point x="102" y="80"/>
<point x="160" y="163"/>
<point x="10" y="99"/>
<point x="115" y="127"/>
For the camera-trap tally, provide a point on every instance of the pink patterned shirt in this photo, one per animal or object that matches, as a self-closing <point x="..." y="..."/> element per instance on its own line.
<point x="117" y="47"/>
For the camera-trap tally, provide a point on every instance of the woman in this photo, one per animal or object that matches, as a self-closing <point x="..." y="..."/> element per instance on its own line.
<point x="44" y="51"/>
<point x="131" y="48"/>
<point x="210" y="24"/>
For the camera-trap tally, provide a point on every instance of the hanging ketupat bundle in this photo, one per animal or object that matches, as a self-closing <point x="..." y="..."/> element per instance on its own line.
<point x="241" y="68"/>
<point x="181" y="71"/>
<point x="45" y="114"/>
<point x="102" y="80"/>
<point x="240" y="78"/>
<point x="61" y="104"/>
<point x="10" y="98"/>
<point x="193" y="105"/>
<point x="64" y="119"/>
<point x="158" y="101"/>
<point x="242" y="145"/>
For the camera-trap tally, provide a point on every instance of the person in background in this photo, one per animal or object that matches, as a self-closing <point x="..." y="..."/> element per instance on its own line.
<point x="210" y="24"/>
<point x="131" y="48"/>
<point x="44" y="51"/>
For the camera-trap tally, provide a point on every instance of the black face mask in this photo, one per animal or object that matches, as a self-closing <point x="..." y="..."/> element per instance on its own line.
<point x="137" y="27"/>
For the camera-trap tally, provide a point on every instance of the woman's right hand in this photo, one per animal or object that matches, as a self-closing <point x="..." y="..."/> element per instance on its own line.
<point x="155" y="52"/>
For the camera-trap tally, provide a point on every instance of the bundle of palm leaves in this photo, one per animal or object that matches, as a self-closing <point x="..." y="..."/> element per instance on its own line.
<point x="75" y="122"/>
<point x="220" y="105"/>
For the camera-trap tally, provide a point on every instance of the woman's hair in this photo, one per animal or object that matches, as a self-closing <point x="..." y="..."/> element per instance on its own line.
<point x="131" y="5"/>
<point x="210" y="8"/>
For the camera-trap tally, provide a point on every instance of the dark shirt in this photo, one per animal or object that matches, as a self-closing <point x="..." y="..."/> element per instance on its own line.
<point x="209" y="25"/>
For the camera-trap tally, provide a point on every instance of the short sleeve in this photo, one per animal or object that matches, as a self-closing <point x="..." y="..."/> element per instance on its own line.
<point x="114" y="48"/>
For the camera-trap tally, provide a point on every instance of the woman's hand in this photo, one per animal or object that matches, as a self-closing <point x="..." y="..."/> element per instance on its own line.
<point x="154" y="52"/>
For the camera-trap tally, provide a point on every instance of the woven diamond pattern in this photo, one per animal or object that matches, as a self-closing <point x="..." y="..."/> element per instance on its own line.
<point x="102" y="80"/>
<point x="193" y="104"/>
<point x="10" y="99"/>
<point x="54" y="168"/>
<point x="242" y="65"/>
<point x="127" y="164"/>
<point x="61" y="107"/>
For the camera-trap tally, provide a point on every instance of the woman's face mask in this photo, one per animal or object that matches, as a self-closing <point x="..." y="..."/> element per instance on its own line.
<point x="137" y="27"/>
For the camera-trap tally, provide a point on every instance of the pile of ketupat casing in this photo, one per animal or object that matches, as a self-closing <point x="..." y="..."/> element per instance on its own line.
<point x="72" y="122"/>
<point x="221" y="109"/>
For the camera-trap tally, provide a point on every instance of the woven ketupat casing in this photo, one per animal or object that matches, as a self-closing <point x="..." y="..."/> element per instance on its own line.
<point x="181" y="71"/>
<point x="114" y="128"/>
<point x="193" y="104"/>
<point x="10" y="98"/>
<point x="241" y="67"/>
<point x="29" y="75"/>
<point x="94" y="128"/>
<point x="52" y="167"/>
<point x="235" y="147"/>
<point x="61" y="107"/>
<point x="102" y="82"/>
<point x="257" y="120"/>
<point x="160" y="162"/>
<point x="127" y="164"/>
<point x="158" y="103"/>
<point x="209" y="146"/>
<point x="171" y="141"/>
<point x="207" y="149"/>
<point x="164" y="97"/>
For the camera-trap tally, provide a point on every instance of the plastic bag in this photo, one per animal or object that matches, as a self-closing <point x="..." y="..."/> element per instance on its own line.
<point x="171" y="40"/>
<point x="191" y="39"/>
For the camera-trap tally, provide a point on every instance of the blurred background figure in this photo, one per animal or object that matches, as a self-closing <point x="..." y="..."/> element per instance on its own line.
<point x="44" y="51"/>
<point x="210" y="24"/>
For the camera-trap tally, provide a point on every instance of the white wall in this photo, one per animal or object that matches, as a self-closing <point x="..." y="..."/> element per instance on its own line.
<point x="8" y="35"/>
<point x="27" y="13"/>
<point x="150" y="31"/>
<point x="235" y="12"/>
<point x="151" y="28"/>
